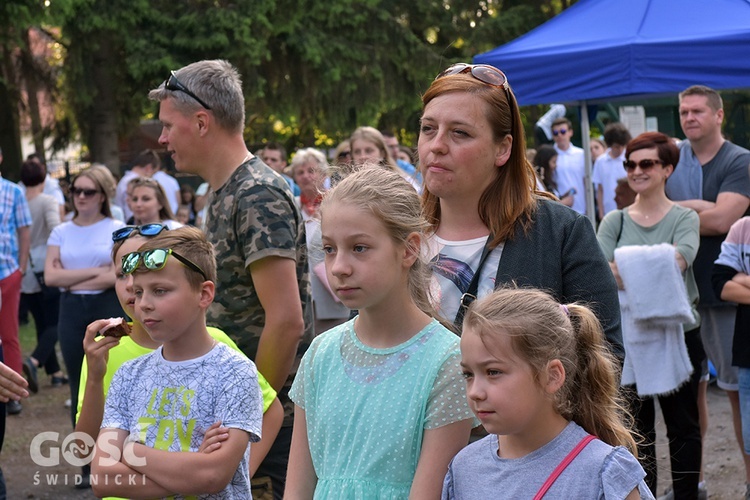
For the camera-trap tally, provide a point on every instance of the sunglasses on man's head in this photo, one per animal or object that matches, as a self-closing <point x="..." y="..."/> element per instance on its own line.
<point x="87" y="193"/>
<point x="155" y="260"/>
<point x="144" y="230"/>
<point x="644" y="164"/>
<point x="173" y="84"/>
<point x="344" y="154"/>
<point x="561" y="131"/>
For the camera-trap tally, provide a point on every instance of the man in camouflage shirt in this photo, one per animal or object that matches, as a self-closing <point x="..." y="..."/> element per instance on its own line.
<point x="263" y="291"/>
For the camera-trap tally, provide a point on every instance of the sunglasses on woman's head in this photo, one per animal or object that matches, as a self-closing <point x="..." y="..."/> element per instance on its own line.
<point x="144" y="230"/>
<point x="482" y="72"/>
<point x="87" y="193"/>
<point x="644" y="164"/>
<point x="155" y="260"/>
<point x="486" y="74"/>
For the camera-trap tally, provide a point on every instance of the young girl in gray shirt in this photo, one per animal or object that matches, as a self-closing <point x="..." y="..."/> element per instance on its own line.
<point x="543" y="383"/>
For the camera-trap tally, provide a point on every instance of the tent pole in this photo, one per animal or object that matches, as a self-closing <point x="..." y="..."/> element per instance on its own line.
<point x="585" y="141"/>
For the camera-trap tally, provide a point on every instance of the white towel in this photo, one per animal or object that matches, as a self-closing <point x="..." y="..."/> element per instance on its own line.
<point x="654" y="305"/>
<point x="654" y="284"/>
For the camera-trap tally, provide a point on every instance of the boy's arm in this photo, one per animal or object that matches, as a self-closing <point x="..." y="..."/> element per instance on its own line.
<point x="438" y="449"/>
<point x="111" y="477"/>
<point x="91" y="412"/>
<point x="209" y="473"/>
<point x="275" y="281"/>
<point x="272" y="420"/>
<point x="300" y="475"/>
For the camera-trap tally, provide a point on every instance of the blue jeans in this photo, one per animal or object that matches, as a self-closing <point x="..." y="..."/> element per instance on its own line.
<point x="744" y="383"/>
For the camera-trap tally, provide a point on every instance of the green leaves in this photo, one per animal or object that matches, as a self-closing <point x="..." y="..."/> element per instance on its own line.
<point x="311" y="69"/>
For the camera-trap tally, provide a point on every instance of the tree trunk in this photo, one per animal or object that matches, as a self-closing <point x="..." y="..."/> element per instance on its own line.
<point x="10" y="135"/>
<point x="103" y="140"/>
<point x="32" y="88"/>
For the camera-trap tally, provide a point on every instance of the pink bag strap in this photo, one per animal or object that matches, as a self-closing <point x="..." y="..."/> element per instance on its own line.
<point x="562" y="465"/>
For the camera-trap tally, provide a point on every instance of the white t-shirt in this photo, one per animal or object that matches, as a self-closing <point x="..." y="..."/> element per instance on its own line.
<point x="606" y="172"/>
<point x="82" y="247"/>
<point x="171" y="188"/>
<point x="453" y="267"/>
<point x="569" y="173"/>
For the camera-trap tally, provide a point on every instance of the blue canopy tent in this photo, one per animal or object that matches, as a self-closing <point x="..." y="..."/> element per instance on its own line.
<point x="601" y="50"/>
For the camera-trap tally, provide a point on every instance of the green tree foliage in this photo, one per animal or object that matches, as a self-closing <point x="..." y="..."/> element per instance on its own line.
<point x="16" y="16"/>
<point x="119" y="49"/>
<point x="312" y="70"/>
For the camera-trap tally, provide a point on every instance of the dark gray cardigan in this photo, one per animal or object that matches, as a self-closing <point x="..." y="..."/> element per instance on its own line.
<point x="560" y="254"/>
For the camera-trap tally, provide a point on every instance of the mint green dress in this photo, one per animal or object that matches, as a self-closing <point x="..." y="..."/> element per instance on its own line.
<point x="367" y="409"/>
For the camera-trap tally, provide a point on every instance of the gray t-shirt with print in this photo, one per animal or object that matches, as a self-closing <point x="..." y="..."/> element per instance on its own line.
<point x="599" y="471"/>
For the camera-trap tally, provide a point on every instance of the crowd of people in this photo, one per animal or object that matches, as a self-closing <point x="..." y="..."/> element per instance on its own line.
<point x="361" y="320"/>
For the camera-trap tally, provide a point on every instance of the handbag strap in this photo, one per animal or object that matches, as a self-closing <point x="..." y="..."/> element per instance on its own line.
<point x="470" y="295"/>
<point x="563" y="465"/>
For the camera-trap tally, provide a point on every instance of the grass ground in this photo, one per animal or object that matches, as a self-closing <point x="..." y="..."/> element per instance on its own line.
<point x="27" y="336"/>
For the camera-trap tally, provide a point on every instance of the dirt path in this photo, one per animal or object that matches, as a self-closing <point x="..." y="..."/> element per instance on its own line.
<point x="46" y="412"/>
<point x="723" y="467"/>
<point x="42" y="412"/>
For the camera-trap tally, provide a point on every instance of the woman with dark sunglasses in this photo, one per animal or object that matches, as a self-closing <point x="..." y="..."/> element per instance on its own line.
<point x="78" y="262"/>
<point x="488" y="219"/>
<point x="652" y="220"/>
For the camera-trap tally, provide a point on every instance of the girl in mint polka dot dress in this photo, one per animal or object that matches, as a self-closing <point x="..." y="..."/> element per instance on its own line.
<point x="380" y="404"/>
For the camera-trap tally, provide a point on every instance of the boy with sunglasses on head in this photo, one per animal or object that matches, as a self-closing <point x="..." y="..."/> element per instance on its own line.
<point x="161" y="405"/>
<point x="105" y="354"/>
